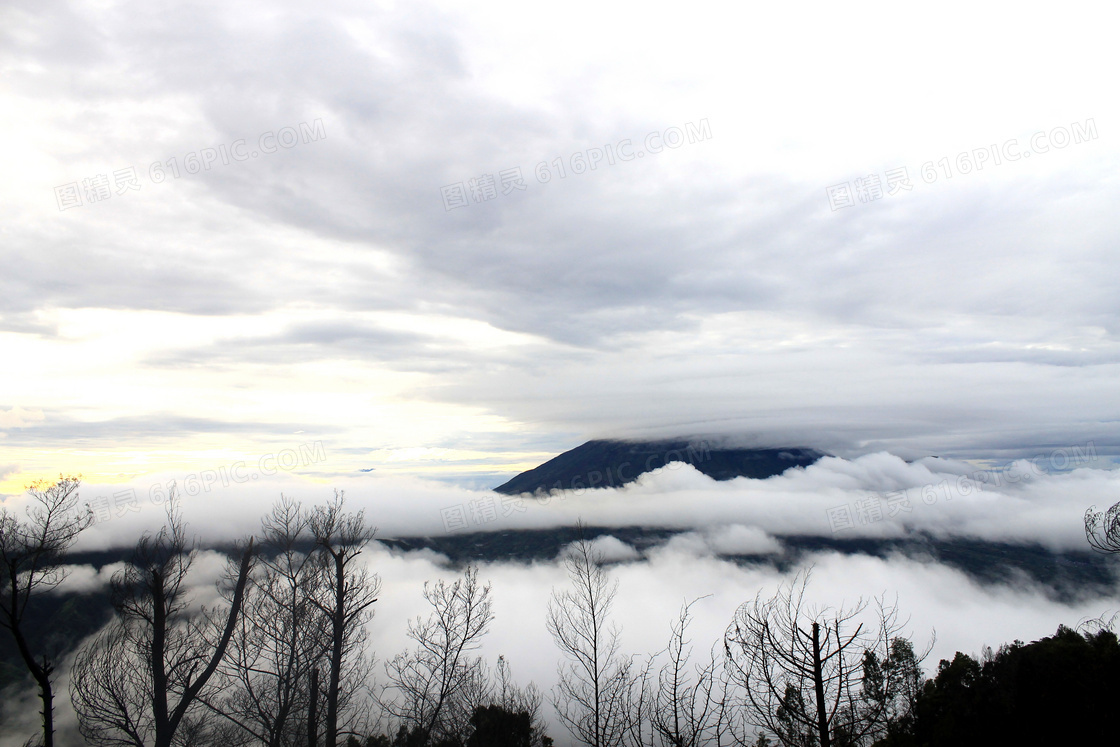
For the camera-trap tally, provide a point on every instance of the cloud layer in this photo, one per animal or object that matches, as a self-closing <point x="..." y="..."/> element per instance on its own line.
<point x="877" y="495"/>
<point x="940" y="602"/>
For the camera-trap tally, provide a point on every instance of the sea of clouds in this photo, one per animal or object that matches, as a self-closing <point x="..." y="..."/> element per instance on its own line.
<point x="1021" y="503"/>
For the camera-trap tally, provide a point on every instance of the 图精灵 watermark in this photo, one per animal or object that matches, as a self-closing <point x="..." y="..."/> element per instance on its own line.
<point x="119" y="182"/>
<point x="486" y="187"/>
<point x="871" y="187"/>
<point x="241" y="472"/>
<point x="876" y="507"/>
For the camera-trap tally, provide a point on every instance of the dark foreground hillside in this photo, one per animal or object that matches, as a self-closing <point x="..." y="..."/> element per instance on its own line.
<point x="1060" y="690"/>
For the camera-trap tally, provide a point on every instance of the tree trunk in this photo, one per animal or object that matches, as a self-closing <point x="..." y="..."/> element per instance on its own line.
<point x="339" y="631"/>
<point x="42" y="676"/>
<point x="48" y="713"/>
<point x="313" y="711"/>
<point x="818" y="685"/>
<point x="156" y="663"/>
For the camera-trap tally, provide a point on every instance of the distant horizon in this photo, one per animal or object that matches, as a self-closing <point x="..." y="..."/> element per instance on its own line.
<point x="311" y="460"/>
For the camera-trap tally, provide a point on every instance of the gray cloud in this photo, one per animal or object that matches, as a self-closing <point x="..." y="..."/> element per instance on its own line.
<point x="580" y="261"/>
<point x="703" y="289"/>
<point x="158" y="428"/>
<point x="341" y="339"/>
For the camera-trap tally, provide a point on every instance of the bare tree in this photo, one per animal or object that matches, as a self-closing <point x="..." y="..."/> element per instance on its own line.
<point x="111" y="692"/>
<point x="140" y="682"/>
<point x="1092" y="626"/>
<point x="684" y="703"/>
<point x="280" y="638"/>
<point x="594" y="682"/>
<point x="31" y="563"/>
<point x="1102" y="529"/>
<point x="438" y="684"/>
<point x="802" y="671"/>
<point x="348" y="592"/>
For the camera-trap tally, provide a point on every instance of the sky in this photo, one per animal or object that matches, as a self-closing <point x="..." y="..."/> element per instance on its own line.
<point x="451" y="241"/>
<point x="408" y="250"/>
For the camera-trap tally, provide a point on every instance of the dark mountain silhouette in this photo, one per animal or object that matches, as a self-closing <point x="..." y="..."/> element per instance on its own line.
<point x="610" y="463"/>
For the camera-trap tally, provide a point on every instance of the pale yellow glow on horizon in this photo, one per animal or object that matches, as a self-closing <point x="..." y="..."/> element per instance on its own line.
<point x="105" y="364"/>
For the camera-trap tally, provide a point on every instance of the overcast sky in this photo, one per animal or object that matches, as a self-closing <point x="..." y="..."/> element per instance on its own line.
<point x="346" y="254"/>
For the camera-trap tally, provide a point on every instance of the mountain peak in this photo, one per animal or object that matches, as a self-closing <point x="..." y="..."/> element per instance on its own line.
<point x="605" y="463"/>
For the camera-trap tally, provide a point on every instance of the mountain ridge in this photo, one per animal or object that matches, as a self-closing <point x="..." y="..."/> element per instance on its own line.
<point x="607" y="463"/>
